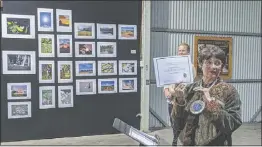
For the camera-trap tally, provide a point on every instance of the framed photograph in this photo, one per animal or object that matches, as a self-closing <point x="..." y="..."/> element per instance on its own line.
<point x="84" y="30"/>
<point x="106" y="49"/>
<point x="107" y="68"/>
<point x="65" y="71"/>
<point x="46" y="45"/>
<point x="18" y="26"/>
<point x="18" y="62"/>
<point x="127" y="67"/>
<point x="19" y="110"/>
<point x="85" y="68"/>
<point x="46" y="71"/>
<point x="85" y="86"/>
<point x="46" y="97"/>
<point x="107" y="85"/>
<point x="45" y="20"/>
<point x="225" y="43"/>
<point x="64" y="46"/>
<point x="127" y="84"/>
<point x="65" y="96"/>
<point x="127" y="32"/>
<point x="63" y="20"/>
<point x="18" y="91"/>
<point x="85" y="49"/>
<point x="106" y="31"/>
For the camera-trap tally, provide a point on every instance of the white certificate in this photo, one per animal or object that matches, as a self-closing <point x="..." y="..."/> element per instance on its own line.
<point x="172" y="70"/>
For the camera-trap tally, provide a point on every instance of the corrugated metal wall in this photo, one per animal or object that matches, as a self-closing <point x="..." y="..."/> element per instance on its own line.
<point x="215" y="16"/>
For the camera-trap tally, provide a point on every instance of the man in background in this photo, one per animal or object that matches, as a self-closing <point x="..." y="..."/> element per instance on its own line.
<point x="183" y="49"/>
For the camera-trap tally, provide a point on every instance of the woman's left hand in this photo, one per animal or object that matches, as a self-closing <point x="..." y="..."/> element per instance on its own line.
<point x="212" y="106"/>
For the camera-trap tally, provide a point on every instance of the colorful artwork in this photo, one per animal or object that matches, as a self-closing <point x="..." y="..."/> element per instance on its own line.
<point x="63" y="20"/>
<point x="64" y="45"/>
<point x="46" y="45"/>
<point x="127" y="84"/>
<point x="65" y="71"/>
<point x="127" y="32"/>
<point x="18" y="91"/>
<point x="85" y="68"/>
<point x="107" y="85"/>
<point x="45" y="19"/>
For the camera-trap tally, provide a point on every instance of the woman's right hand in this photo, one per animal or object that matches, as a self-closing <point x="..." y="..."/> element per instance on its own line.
<point x="179" y="92"/>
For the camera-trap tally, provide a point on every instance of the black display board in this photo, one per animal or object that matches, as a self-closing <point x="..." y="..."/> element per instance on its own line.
<point x="91" y="114"/>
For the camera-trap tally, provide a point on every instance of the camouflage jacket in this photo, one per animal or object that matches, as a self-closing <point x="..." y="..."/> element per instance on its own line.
<point x="209" y="128"/>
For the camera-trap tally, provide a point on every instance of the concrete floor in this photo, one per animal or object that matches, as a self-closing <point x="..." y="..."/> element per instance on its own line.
<point x="247" y="134"/>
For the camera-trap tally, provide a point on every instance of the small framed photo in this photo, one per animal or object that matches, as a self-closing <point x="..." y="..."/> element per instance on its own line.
<point x="46" y="97"/>
<point x="46" y="72"/>
<point x="127" y="84"/>
<point x="19" y="110"/>
<point x="85" y="49"/>
<point x="18" y="26"/>
<point x="18" y="91"/>
<point x="65" y="96"/>
<point x="85" y="86"/>
<point x="45" y="19"/>
<point x="127" y="67"/>
<point x="106" y="31"/>
<point x="18" y="62"/>
<point x="84" y="30"/>
<point x="64" y="46"/>
<point x="127" y="32"/>
<point x="85" y="68"/>
<point x="107" y="68"/>
<point x="107" y="85"/>
<point x="65" y="71"/>
<point x="63" y="20"/>
<point x="46" y="45"/>
<point x="106" y="49"/>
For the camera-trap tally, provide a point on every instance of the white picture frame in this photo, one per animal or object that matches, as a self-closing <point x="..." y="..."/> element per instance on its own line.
<point x="60" y="65"/>
<point x="105" y="84"/>
<point x="12" y="64"/>
<point x="64" y="46"/>
<point x="85" y="68"/>
<point x="85" y="86"/>
<point x="65" y="93"/>
<point x="127" y="67"/>
<point x="44" y="71"/>
<point x="16" y="110"/>
<point x="124" y="35"/>
<point x="108" y="67"/>
<point x="80" y="26"/>
<point x="106" y="49"/>
<point x="127" y="85"/>
<point x="66" y="17"/>
<point x="83" y="49"/>
<point x="106" y="31"/>
<point x="6" y="33"/>
<point x="47" y="101"/>
<point x="44" y="45"/>
<point x="45" y="19"/>
<point x="18" y="91"/>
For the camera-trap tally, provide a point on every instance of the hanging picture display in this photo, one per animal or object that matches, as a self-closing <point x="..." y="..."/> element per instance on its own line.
<point x="46" y="97"/>
<point x="107" y="85"/>
<point x="45" y="20"/>
<point x="127" y="84"/>
<point x="64" y="46"/>
<point x="63" y="20"/>
<point x="18" y="91"/>
<point x="19" y="110"/>
<point x="127" y="32"/>
<point x="106" y="49"/>
<point x="85" y="68"/>
<point x="107" y="68"/>
<point x="46" y="45"/>
<point x="84" y="30"/>
<point x="18" y="62"/>
<point x="65" y="72"/>
<point x="106" y="31"/>
<point x="46" y="71"/>
<point x="127" y="67"/>
<point x="65" y="96"/>
<point x="18" y="26"/>
<point x="85" y="86"/>
<point x="85" y="49"/>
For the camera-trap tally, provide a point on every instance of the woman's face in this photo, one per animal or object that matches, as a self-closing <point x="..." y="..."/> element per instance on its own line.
<point x="211" y="68"/>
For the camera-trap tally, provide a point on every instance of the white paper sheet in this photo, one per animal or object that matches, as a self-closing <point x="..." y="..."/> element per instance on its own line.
<point x="174" y="69"/>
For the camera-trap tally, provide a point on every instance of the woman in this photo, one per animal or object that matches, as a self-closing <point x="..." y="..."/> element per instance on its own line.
<point x="209" y="109"/>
